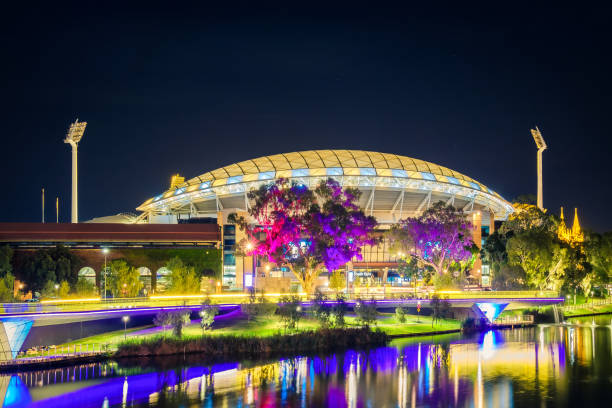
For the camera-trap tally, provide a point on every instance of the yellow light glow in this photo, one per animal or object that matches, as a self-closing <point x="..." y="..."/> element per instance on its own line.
<point x="220" y="295"/>
<point x="70" y="300"/>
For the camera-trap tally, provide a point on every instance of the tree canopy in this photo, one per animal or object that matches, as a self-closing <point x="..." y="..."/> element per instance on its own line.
<point x="306" y="229"/>
<point x="439" y="238"/>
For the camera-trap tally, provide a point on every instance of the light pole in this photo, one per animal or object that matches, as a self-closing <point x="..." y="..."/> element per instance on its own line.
<point x="541" y="144"/>
<point x="125" y="320"/>
<point x="75" y="133"/>
<point x="105" y="252"/>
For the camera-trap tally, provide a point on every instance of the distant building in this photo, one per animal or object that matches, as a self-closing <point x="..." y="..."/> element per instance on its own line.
<point x="394" y="187"/>
<point x="572" y="235"/>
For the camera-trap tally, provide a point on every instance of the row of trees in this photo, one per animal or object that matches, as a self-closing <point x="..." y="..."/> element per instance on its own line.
<point x="307" y="230"/>
<point x="123" y="279"/>
<point x="53" y="272"/>
<point x="527" y="252"/>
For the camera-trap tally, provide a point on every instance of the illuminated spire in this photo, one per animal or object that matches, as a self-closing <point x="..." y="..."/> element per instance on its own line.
<point x="573" y="235"/>
<point x="577" y="234"/>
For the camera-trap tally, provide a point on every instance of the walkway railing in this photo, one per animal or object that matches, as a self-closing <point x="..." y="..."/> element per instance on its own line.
<point x="587" y="305"/>
<point x="513" y="320"/>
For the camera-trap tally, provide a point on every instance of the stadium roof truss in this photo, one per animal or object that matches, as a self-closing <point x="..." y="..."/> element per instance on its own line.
<point x="396" y="185"/>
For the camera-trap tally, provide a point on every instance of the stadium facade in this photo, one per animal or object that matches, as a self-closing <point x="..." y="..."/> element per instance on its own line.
<point x="394" y="187"/>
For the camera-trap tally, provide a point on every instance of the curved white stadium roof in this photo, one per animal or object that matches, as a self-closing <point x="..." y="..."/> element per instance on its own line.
<point x="394" y="186"/>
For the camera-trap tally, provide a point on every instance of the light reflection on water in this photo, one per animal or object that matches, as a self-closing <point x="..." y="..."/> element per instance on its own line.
<point x="554" y="365"/>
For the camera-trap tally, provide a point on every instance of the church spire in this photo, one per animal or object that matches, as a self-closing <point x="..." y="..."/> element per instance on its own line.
<point x="573" y="235"/>
<point x="562" y="218"/>
<point x="576" y="226"/>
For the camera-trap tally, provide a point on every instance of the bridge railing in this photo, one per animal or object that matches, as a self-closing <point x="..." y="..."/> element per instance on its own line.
<point x="514" y="320"/>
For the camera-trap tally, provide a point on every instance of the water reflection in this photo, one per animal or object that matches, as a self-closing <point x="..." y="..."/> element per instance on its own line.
<point x="554" y="365"/>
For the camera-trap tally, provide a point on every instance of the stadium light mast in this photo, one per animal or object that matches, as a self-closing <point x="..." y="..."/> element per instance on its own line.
<point x="73" y="137"/>
<point x="541" y="144"/>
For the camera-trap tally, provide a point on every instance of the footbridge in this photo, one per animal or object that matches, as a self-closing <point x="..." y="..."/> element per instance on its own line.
<point x="53" y="322"/>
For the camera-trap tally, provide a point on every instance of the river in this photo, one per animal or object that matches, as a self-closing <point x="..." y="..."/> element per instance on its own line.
<point x="545" y="366"/>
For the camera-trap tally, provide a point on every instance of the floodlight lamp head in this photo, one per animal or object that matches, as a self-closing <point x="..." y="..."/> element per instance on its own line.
<point x="539" y="140"/>
<point x="75" y="132"/>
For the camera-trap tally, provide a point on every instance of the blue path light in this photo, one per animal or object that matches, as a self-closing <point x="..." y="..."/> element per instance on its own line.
<point x="16" y="331"/>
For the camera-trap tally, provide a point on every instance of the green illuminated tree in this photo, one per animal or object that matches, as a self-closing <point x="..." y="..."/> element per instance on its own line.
<point x="183" y="279"/>
<point x="84" y="288"/>
<point x="542" y="258"/>
<point x="63" y="290"/>
<point x="337" y="281"/>
<point x="6" y="258"/>
<point x="124" y="279"/>
<point x="598" y="249"/>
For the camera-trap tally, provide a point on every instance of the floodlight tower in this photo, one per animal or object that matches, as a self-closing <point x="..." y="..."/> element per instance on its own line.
<point x="541" y="144"/>
<point x="73" y="137"/>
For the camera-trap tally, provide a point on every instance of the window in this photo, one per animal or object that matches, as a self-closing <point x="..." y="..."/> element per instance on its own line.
<point x="229" y="259"/>
<point x="229" y="230"/>
<point x="453" y="180"/>
<point x="334" y="171"/>
<point x="300" y="173"/>
<point x="486" y="270"/>
<point x="474" y="186"/>
<point x="266" y="175"/>
<point x="399" y="173"/>
<point x="428" y="176"/>
<point x="367" y="171"/>
<point x="234" y="179"/>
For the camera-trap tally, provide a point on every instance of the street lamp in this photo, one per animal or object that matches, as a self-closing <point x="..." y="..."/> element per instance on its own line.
<point x="105" y="252"/>
<point x="56" y="290"/>
<point x="125" y="320"/>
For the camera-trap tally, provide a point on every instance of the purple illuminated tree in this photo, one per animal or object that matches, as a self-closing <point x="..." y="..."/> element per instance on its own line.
<point x="439" y="238"/>
<point x="306" y="230"/>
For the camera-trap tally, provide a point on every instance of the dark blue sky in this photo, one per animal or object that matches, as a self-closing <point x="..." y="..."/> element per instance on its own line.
<point x="188" y="90"/>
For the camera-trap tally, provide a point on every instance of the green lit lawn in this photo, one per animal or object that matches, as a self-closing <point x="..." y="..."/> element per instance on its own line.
<point x="588" y="310"/>
<point x="413" y="325"/>
<point x="270" y="325"/>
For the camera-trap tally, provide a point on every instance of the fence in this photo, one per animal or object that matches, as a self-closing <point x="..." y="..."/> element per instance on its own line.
<point x="587" y="305"/>
<point x="513" y="320"/>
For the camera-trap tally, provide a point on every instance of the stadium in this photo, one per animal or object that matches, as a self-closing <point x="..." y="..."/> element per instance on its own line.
<point x="394" y="187"/>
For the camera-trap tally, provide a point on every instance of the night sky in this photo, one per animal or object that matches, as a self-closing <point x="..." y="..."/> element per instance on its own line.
<point x="187" y="90"/>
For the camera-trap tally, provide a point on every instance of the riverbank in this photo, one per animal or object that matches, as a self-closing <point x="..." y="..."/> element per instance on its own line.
<point x="587" y="310"/>
<point x="217" y="347"/>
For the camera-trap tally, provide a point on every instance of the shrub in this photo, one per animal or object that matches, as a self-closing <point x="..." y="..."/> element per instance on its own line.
<point x="290" y="311"/>
<point x="178" y="320"/>
<point x="366" y="311"/>
<point x="400" y="314"/>
<point x="257" y="306"/>
<point x="162" y="318"/>
<point x="215" y="347"/>
<point x="250" y="307"/>
<point x="338" y="311"/>
<point x="208" y="313"/>
<point x="321" y="310"/>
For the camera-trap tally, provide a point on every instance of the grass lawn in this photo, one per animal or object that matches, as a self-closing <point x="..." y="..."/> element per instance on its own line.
<point x="264" y="326"/>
